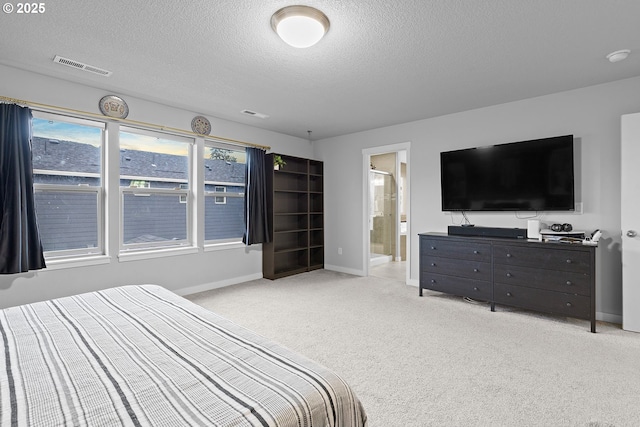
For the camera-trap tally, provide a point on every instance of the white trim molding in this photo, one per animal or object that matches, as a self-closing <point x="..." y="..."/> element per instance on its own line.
<point x="216" y="285"/>
<point x="339" y="269"/>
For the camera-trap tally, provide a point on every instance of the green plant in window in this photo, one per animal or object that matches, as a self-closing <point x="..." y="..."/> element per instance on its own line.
<point x="222" y="154"/>
<point x="139" y="184"/>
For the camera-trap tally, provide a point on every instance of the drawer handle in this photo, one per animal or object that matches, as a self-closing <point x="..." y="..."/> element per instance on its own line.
<point x="568" y="304"/>
<point x="508" y="274"/>
<point x="433" y="280"/>
<point x="475" y="288"/>
<point x="475" y="270"/>
<point x="433" y="247"/>
<point x="509" y="294"/>
<point x="568" y="261"/>
<point x="476" y="252"/>
<point x="569" y="283"/>
<point x="508" y="255"/>
<point x="433" y="264"/>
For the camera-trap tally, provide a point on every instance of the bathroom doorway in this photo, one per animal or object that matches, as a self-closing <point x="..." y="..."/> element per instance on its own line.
<point x="382" y="205"/>
<point x="386" y="234"/>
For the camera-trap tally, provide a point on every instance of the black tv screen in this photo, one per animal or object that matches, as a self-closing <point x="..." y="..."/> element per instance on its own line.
<point x="536" y="175"/>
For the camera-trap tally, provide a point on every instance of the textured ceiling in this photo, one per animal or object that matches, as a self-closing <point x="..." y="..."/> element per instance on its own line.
<point x="381" y="63"/>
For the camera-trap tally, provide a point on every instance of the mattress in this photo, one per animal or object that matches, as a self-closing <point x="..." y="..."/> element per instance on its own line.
<point x="143" y="356"/>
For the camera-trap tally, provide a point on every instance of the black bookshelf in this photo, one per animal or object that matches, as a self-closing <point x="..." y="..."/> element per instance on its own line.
<point x="295" y="208"/>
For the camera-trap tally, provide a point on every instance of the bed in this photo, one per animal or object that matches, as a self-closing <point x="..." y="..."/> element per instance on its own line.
<point x="143" y="356"/>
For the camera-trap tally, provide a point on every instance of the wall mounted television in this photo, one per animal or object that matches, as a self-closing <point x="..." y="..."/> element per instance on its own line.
<point x="536" y="175"/>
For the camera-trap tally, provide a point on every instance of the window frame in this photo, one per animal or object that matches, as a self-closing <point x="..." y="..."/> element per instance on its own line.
<point x="110" y="195"/>
<point x="213" y="143"/>
<point x="179" y="192"/>
<point x="97" y="190"/>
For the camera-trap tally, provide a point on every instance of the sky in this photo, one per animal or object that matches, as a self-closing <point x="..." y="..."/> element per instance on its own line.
<point x="67" y="131"/>
<point x="93" y="135"/>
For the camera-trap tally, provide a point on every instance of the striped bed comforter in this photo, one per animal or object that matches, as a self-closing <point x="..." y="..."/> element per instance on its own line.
<point x="143" y="356"/>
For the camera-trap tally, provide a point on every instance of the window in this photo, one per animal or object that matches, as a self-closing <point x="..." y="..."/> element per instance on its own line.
<point x="67" y="161"/>
<point x="224" y="169"/>
<point x="154" y="187"/>
<point x="220" y="200"/>
<point x="156" y="180"/>
<point x="183" y="197"/>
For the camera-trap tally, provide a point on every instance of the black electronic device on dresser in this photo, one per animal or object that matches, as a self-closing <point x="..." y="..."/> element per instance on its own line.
<point x="550" y="277"/>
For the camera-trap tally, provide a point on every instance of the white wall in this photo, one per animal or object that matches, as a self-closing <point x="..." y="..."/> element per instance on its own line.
<point x="184" y="273"/>
<point x="591" y="114"/>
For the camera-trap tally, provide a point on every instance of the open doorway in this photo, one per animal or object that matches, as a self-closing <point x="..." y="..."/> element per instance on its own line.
<point x="387" y="205"/>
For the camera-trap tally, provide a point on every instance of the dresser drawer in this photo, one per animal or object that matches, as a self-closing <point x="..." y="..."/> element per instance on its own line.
<point x="476" y="289"/>
<point x="454" y="267"/>
<point x="458" y="250"/>
<point x="570" y="305"/>
<point x="545" y="258"/>
<point x="553" y="280"/>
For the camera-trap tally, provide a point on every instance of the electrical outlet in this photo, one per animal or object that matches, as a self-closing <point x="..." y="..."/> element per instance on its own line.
<point x="339" y="251"/>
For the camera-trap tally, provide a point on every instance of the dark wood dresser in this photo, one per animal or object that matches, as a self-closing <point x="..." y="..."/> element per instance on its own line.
<point x="549" y="277"/>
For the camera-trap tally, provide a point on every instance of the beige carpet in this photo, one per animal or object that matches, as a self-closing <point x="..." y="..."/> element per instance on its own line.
<point x="441" y="361"/>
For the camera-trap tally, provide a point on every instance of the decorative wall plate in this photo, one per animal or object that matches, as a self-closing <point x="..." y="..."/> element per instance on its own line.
<point x="114" y="106"/>
<point x="201" y="125"/>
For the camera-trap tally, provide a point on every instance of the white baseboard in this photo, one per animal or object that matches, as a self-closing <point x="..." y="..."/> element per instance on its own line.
<point x="413" y="282"/>
<point x="344" y="270"/>
<point x="608" y="317"/>
<point x="215" y="285"/>
<point x="380" y="260"/>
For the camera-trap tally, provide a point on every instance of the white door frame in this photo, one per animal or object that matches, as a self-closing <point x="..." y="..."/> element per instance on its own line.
<point x="366" y="163"/>
<point x="630" y="135"/>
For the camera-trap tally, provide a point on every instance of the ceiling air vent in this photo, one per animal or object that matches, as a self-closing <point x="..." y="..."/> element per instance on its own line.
<point x="80" y="66"/>
<point x="254" y="114"/>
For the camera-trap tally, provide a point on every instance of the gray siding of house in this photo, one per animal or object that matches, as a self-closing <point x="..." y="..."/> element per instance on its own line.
<point x="228" y="219"/>
<point x="67" y="221"/>
<point x="154" y="218"/>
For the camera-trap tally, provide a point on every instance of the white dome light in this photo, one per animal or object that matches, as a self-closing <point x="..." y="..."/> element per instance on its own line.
<point x="618" y="55"/>
<point x="300" y="26"/>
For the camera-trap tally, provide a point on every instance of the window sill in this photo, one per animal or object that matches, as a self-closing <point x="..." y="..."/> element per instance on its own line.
<point x="223" y="246"/>
<point x="156" y="253"/>
<point x="60" y="263"/>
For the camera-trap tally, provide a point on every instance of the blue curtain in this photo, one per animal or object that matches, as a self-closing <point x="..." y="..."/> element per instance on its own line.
<point x="256" y="226"/>
<point x="20" y="245"/>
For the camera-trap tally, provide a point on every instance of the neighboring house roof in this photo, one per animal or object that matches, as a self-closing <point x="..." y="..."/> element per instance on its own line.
<point x="61" y="155"/>
<point x="58" y="155"/>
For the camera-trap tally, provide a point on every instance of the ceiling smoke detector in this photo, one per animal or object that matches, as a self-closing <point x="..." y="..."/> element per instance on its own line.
<point x="618" y="55"/>
<point x="81" y="66"/>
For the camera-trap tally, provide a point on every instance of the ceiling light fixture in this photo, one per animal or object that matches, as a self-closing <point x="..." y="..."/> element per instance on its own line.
<point x="300" y="26"/>
<point x="618" y="55"/>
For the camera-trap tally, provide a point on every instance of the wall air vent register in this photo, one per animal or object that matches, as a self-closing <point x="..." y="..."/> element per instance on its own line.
<point x="81" y="66"/>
